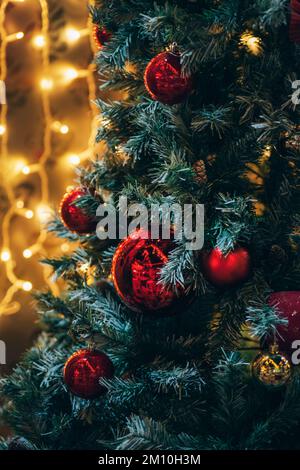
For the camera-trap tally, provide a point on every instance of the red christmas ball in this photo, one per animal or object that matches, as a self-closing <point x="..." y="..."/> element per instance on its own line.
<point x="226" y="270"/>
<point x="136" y="272"/>
<point x="101" y="36"/>
<point x="164" y="81"/>
<point x="288" y="306"/>
<point x="84" y="369"/>
<point x="73" y="217"/>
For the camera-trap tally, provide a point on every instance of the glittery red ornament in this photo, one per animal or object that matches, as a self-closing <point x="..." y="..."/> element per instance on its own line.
<point x="288" y="306"/>
<point x="136" y="272"/>
<point x="101" y="36"/>
<point x="164" y="81"/>
<point x="84" y="369"/>
<point x="73" y="217"/>
<point x="226" y="270"/>
<point x="294" y="29"/>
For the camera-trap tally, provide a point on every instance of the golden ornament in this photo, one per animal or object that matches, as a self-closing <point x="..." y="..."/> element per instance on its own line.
<point x="272" y="368"/>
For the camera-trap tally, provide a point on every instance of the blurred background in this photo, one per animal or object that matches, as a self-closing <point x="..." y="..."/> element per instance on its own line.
<point x="47" y="129"/>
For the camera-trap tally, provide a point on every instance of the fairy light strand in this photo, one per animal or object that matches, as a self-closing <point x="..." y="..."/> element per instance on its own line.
<point x="7" y="304"/>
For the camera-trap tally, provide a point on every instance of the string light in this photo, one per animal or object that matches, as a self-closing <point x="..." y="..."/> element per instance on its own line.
<point x="46" y="84"/>
<point x="14" y="37"/>
<point x="39" y="41"/>
<point x="253" y="43"/>
<point x="16" y="206"/>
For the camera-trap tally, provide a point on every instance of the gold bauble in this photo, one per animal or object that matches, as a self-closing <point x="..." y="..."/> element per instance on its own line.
<point x="272" y="368"/>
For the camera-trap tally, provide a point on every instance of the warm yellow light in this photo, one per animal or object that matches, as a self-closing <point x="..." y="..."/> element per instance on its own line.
<point x="27" y="286"/>
<point x="70" y="74"/>
<point x="5" y="255"/>
<point x="74" y="159"/>
<point x="20" y="204"/>
<point x="44" y="213"/>
<point x="72" y="34"/>
<point x="253" y="43"/>
<point x="64" y="129"/>
<point x="29" y="214"/>
<point x="57" y="126"/>
<point x="46" y="84"/>
<point x="39" y="41"/>
<point x="27" y="253"/>
<point x="15" y="36"/>
<point x="65" y="247"/>
<point x="26" y="170"/>
<point x="2" y="129"/>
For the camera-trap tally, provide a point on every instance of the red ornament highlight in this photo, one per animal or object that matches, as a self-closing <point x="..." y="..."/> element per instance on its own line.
<point x="226" y="270"/>
<point x="74" y="218"/>
<point x="101" y="36"/>
<point x="84" y="369"/>
<point x="288" y="306"/>
<point x="164" y="81"/>
<point x="136" y="272"/>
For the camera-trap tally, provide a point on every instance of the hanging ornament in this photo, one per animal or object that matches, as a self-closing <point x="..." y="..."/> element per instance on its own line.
<point x="73" y="217"/>
<point x="272" y="368"/>
<point x="163" y="78"/>
<point x="200" y="170"/>
<point x="294" y="30"/>
<point x="287" y="305"/>
<point x="101" y="36"/>
<point x="226" y="270"/>
<point x="84" y="369"/>
<point x="136" y="272"/>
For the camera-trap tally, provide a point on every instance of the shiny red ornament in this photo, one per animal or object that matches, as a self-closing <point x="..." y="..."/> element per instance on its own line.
<point x="288" y="306"/>
<point x="101" y="36"/>
<point x="226" y="270"/>
<point x="294" y="29"/>
<point x="136" y="272"/>
<point x="84" y="369"/>
<point x="73" y="217"/>
<point x="164" y="81"/>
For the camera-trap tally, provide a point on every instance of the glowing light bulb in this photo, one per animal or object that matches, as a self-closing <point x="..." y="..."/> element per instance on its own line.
<point x="29" y="214"/>
<point x="64" y="129"/>
<point x="27" y="253"/>
<point x="20" y="35"/>
<point x="26" y="170"/>
<point x="44" y="213"/>
<point x="2" y="129"/>
<point x="5" y="255"/>
<point x="20" y="204"/>
<point x="70" y="74"/>
<point x="74" y="159"/>
<point x="72" y="35"/>
<point x="65" y="247"/>
<point x="39" y="41"/>
<point x="27" y="286"/>
<point x="46" y="84"/>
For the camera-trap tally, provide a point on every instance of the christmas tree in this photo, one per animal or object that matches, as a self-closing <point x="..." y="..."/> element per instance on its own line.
<point x="156" y="345"/>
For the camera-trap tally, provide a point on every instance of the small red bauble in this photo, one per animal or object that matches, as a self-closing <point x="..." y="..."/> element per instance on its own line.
<point x="84" y="369"/>
<point x="101" y="36"/>
<point x="73" y="217"/>
<point x="164" y="81"/>
<point x="136" y="272"/>
<point x="288" y="306"/>
<point x="226" y="270"/>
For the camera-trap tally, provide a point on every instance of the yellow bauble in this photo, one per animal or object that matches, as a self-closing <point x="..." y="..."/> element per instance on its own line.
<point x="272" y="368"/>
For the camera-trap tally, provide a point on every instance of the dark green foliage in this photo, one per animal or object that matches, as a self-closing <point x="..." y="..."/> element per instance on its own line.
<point x="181" y="382"/>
